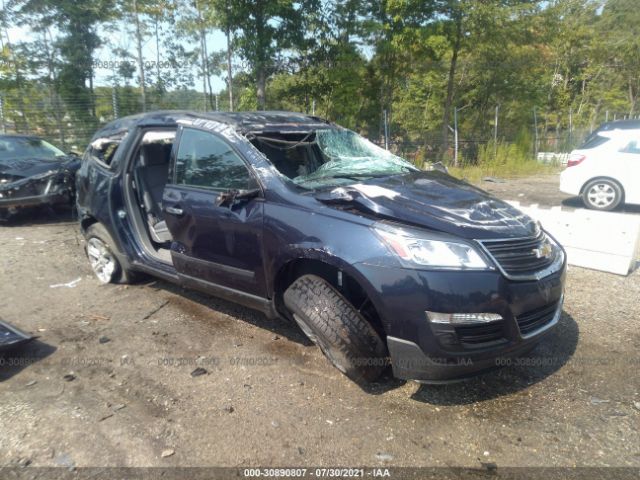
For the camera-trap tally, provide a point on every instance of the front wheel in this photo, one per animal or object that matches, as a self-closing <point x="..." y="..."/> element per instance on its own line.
<point x="602" y="195"/>
<point x="350" y="343"/>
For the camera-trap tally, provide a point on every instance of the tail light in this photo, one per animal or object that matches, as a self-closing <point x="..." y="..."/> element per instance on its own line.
<point x="575" y="159"/>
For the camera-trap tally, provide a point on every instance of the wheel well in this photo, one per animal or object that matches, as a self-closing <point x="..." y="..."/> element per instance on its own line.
<point x="86" y="222"/>
<point x="338" y="279"/>
<point x="613" y="180"/>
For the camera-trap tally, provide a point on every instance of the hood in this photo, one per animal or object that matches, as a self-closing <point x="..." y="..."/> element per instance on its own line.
<point x="436" y="201"/>
<point x="28" y="167"/>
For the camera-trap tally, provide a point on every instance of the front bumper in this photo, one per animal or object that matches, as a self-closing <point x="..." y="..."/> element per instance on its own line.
<point x="412" y="363"/>
<point x="432" y="353"/>
<point x="28" y="192"/>
<point x="55" y="198"/>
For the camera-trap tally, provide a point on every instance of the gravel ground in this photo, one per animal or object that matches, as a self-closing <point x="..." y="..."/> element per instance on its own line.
<point x="109" y="380"/>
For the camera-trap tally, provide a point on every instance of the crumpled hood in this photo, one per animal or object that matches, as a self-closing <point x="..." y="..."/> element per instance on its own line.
<point x="28" y="167"/>
<point x="436" y="201"/>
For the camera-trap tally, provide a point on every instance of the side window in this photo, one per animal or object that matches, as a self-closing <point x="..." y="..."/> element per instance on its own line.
<point x="205" y="160"/>
<point x="103" y="149"/>
<point x="632" y="147"/>
<point x="593" y="142"/>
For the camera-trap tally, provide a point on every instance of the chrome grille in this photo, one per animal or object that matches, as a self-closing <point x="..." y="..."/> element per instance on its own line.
<point x="522" y="256"/>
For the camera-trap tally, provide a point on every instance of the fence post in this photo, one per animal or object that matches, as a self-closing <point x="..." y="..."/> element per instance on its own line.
<point x="386" y="130"/>
<point x="4" y="127"/>
<point x="570" y="128"/>
<point x="114" y="101"/>
<point x="495" y="134"/>
<point x="535" y="134"/>
<point x="455" y="136"/>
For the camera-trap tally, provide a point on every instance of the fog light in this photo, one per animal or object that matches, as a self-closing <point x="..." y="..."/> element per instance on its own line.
<point x="436" y="317"/>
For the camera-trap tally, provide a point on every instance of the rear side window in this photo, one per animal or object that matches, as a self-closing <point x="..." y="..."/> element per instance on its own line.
<point x="594" y="142"/>
<point x="205" y="160"/>
<point x="103" y="149"/>
<point x="632" y="147"/>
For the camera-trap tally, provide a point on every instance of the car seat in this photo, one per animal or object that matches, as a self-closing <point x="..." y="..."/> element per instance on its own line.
<point x="151" y="175"/>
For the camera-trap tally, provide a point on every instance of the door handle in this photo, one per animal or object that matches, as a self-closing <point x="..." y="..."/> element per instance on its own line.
<point x="174" y="210"/>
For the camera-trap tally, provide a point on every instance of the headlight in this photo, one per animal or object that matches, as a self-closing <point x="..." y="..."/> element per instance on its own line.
<point x="421" y="249"/>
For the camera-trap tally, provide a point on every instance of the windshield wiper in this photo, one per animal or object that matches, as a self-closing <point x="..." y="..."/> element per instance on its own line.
<point x="355" y="176"/>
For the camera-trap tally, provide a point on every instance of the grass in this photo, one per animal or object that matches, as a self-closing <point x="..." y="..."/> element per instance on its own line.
<point x="506" y="161"/>
<point x="475" y="173"/>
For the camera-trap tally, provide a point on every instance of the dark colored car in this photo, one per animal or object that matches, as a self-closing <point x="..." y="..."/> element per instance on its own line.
<point x="11" y="337"/>
<point x="33" y="172"/>
<point x="376" y="260"/>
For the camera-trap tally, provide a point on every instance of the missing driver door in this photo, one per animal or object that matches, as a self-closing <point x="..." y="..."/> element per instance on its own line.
<point x="216" y="243"/>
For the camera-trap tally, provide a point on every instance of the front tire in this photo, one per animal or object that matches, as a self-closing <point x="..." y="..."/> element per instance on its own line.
<point x="350" y="343"/>
<point x="604" y="195"/>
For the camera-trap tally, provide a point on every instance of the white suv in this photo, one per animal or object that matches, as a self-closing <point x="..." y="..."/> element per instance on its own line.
<point x="605" y="171"/>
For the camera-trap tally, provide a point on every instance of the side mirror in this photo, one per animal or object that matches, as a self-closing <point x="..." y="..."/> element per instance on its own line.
<point x="229" y="197"/>
<point x="248" y="194"/>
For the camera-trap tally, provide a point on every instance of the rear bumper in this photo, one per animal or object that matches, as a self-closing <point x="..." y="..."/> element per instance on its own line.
<point x="570" y="182"/>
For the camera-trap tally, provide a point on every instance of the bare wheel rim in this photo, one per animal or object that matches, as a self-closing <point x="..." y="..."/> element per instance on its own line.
<point x="101" y="259"/>
<point x="601" y="195"/>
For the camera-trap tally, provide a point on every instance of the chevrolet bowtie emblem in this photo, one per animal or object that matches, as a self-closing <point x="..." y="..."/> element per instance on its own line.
<point x="544" y="251"/>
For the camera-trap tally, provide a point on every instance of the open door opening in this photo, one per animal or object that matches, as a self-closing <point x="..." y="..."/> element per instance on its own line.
<point x="149" y="173"/>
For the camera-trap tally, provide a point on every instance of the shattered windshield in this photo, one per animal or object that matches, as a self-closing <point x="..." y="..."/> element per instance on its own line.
<point x="351" y="156"/>
<point x="329" y="157"/>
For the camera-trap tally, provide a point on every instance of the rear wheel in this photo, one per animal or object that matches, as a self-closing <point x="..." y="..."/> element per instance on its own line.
<point x="602" y="195"/>
<point x="350" y="343"/>
<point x="104" y="262"/>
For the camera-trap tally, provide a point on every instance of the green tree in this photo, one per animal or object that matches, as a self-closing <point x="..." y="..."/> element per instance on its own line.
<point x="263" y="30"/>
<point x="77" y="23"/>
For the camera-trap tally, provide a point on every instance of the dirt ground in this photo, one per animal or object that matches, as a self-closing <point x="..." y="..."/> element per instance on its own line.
<point x="109" y="380"/>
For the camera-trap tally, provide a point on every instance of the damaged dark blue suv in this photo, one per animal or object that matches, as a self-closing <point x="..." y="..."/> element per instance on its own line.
<point x="377" y="261"/>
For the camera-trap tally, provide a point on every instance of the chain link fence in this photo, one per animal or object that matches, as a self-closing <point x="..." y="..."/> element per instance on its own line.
<point x="70" y="124"/>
